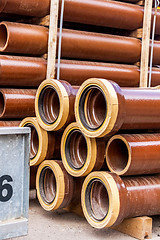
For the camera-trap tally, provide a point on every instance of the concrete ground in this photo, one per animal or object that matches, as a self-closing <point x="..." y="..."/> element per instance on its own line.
<point x="62" y="225"/>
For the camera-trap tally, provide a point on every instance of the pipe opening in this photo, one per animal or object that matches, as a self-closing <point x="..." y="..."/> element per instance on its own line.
<point x="117" y="155"/>
<point x="2" y="103"/>
<point x="76" y="149"/>
<point x="34" y="141"/>
<point x="47" y="185"/>
<point x="92" y="108"/>
<point x="49" y="105"/>
<point x="4" y="36"/>
<point x="97" y="200"/>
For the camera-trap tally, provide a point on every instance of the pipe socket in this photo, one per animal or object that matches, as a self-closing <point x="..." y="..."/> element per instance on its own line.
<point x="107" y="199"/>
<point x="102" y="108"/>
<point x="17" y="103"/>
<point x="22" y="71"/>
<point x="22" y="38"/>
<point x="44" y="145"/>
<point x="54" y="104"/>
<point x="81" y="154"/>
<point x="133" y="154"/>
<point x="55" y="187"/>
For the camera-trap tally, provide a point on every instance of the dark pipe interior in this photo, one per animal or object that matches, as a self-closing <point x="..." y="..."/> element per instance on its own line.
<point x="49" y="105"/>
<point x="76" y="149"/>
<point x="2" y="105"/>
<point x="92" y="108"/>
<point x="117" y="155"/>
<point x="34" y="141"/>
<point x="3" y="36"/>
<point x="97" y="200"/>
<point x="47" y="184"/>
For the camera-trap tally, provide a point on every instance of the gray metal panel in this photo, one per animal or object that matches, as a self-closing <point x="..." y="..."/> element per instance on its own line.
<point x="14" y="162"/>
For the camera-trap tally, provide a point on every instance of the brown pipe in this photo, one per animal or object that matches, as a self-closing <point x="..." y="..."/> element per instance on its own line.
<point x="107" y="199"/>
<point x="54" y="104"/>
<point x="22" y="71"/>
<point x="44" y="145"/>
<point x="56" y="189"/>
<point x="81" y="154"/>
<point x="33" y="171"/>
<point x="133" y="154"/>
<point x="31" y="39"/>
<point x="102" y="108"/>
<point x="17" y="103"/>
<point x="9" y="123"/>
<point x="23" y="38"/>
<point x="36" y="8"/>
<point x="76" y="72"/>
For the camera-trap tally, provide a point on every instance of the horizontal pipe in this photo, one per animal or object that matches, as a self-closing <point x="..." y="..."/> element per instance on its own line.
<point x="75" y="44"/>
<point x="54" y="104"/>
<point x="133" y="154"/>
<point x="76" y="72"/>
<point x="17" y="103"/>
<point x="81" y="154"/>
<point x="23" y="38"/>
<point x="9" y="123"/>
<point x="107" y="199"/>
<point x="22" y="71"/>
<point x="112" y="14"/>
<point x="44" y="145"/>
<point x="35" y="8"/>
<point x="102" y="108"/>
<point x="33" y="172"/>
<point x="56" y="189"/>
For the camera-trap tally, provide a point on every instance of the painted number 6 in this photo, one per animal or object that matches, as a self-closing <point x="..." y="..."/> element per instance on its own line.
<point x="6" y="190"/>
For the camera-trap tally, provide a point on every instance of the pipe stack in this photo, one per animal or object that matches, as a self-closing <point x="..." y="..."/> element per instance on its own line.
<point x="86" y="134"/>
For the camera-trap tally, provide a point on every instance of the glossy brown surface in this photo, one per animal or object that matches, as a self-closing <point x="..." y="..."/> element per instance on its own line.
<point x="22" y="71"/>
<point x="17" y="103"/>
<point x="33" y="171"/>
<point x="23" y="38"/>
<point x="106" y="13"/>
<point x="134" y="154"/>
<point x="9" y="123"/>
<point x="37" y="8"/>
<point x="137" y="196"/>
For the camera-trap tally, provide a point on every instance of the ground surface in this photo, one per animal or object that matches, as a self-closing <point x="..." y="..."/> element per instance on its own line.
<point x="62" y="225"/>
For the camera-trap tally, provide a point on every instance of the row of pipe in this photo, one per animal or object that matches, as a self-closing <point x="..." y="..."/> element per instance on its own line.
<point x="31" y="39"/>
<point x="30" y="72"/>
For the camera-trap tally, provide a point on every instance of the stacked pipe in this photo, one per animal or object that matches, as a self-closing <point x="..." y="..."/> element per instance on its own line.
<point x="73" y="134"/>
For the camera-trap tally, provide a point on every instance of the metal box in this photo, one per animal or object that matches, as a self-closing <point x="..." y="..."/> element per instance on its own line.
<point x="14" y="181"/>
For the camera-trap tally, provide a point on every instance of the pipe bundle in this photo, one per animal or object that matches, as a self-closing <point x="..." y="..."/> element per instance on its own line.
<point x="87" y="134"/>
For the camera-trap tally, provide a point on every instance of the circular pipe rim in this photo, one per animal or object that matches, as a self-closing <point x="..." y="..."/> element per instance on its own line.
<point x="2" y="94"/>
<point x="114" y="199"/>
<point x="125" y="169"/>
<point x="60" y="185"/>
<point x="4" y="25"/>
<point x="63" y="102"/>
<point x="111" y="103"/>
<point x="43" y="140"/>
<point x="91" y="153"/>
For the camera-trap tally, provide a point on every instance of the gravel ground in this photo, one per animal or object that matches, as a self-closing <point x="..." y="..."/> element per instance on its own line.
<point x="63" y="225"/>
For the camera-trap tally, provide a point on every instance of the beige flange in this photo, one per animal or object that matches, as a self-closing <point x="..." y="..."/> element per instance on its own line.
<point x="114" y="199"/>
<point x="64" y="105"/>
<point x="91" y="153"/>
<point x="42" y="140"/>
<point x="108" y="161"/>
<point x="60" y="185"/>
<point x="112" y="107"/>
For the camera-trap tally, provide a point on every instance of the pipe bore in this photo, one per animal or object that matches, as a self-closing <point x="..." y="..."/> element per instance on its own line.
<point x="81" y="154"/>
<point x="42" y="143"/>
<point x="54" y="104"/>
<point x="4" y="36"/>
<point x="95" y="101"/>
<point x="2" y="104"/>
<point x="107" y="199"/>
<point x="54" y="185"/>
<point x="118" y="155"/>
